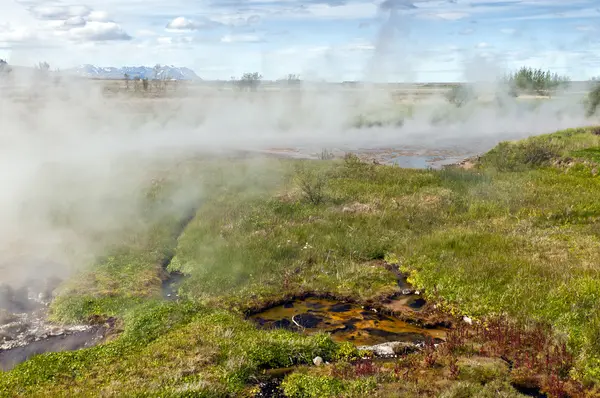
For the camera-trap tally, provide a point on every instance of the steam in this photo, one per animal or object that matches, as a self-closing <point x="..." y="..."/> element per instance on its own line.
<point x="73" y="162"/>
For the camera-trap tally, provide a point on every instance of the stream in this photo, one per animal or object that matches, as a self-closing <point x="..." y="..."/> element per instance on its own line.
<point x="25" y="330"/>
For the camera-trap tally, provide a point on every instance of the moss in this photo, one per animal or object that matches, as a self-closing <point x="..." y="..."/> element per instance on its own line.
<point x="300" y="385"/>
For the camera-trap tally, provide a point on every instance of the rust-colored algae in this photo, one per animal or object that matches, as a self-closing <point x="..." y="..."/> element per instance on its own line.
<point x="345" y="322"/>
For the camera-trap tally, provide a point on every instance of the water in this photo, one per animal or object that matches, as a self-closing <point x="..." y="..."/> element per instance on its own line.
<point x="412" y="162"/>
<point x="65" y="342"/>
<point x="345" y="322"/>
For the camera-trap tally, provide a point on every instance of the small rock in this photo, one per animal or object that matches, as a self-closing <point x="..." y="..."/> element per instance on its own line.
<point x="391" y="349"/>
<point x="467" y="320"/>
<point x="318" y="361"/>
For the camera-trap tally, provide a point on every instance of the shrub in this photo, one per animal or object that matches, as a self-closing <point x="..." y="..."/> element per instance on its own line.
<point x="312" y="182"/>
<point x="593" y="99"/>
<point x="460" y="95"/>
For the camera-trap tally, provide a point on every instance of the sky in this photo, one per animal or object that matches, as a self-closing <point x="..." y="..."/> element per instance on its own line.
<point x="335" y="40"/>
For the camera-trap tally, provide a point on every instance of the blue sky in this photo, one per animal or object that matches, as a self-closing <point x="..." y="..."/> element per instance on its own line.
<point x="384" y="40"/>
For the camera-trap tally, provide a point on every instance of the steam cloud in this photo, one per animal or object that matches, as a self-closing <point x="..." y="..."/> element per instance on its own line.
<point x="72" y="161"/>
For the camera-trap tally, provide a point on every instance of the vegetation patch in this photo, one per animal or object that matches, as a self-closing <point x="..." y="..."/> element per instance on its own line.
<point x="516" y="238"/>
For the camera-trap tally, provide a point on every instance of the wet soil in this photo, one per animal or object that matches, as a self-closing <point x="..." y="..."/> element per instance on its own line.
<point x="172" y="279"/>
<point x="345" y="322"/>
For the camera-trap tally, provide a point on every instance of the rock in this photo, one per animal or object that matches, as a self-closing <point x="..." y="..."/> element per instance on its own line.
<point x="390" y="349"/>
<point x="318" y="361"/>
<point x="467" y="320"/>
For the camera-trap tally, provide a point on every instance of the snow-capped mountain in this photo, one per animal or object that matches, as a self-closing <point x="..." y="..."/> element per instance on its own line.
<point x="156" y="72"/>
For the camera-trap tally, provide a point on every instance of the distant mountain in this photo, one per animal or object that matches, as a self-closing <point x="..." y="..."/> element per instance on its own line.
<point x="157" y="72"/>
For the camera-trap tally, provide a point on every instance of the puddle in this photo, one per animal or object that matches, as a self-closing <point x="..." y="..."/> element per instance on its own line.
<point x="170" y="286"/>
<point x="412" y="162"/>
<point x="424" y="162"/>
<point x="345" y="322"/>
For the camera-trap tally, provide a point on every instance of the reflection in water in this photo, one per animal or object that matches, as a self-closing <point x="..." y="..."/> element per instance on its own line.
<point x="345" y="322"/>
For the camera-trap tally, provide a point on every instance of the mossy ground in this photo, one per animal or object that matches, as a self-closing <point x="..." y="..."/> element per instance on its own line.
<point x="518" y="235"/>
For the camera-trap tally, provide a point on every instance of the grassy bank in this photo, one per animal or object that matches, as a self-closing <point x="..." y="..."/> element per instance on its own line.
<point x="518" y="235"/>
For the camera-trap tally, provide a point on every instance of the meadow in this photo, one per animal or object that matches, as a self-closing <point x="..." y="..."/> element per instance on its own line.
<point x="516" y="236"/>
<point x="505" y="252"/>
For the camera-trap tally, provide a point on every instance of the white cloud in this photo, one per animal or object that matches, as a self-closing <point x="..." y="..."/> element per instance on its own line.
<point x="239" y="20"/>
<point x="12" y="34"/>
<point x="451" y="16"/>
<point x="54" y="13"/>
<point x="182" y="23"/>
<point x="358" y="45"/>
<point x="241" y="38"/>
<point x="98" y="31"/>
<point x="74" y="22"/>
<point x="145" y="33"/>
<point x="174" y="41"/>
<point x="326" y="11"/>
<point x="98" y="16"/>
<point x="586" y="28"/>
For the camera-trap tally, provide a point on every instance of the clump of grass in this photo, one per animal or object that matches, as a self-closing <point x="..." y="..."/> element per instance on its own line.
<point x="518" y="156"/>
<point x="300" y="385"/>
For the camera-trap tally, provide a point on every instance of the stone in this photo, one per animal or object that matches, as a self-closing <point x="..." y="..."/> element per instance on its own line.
<point x="318" y="361"/>
<point x="391" y="349"/>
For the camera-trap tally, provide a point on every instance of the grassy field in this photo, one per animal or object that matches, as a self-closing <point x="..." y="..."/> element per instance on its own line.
<point x="517" y="236"/>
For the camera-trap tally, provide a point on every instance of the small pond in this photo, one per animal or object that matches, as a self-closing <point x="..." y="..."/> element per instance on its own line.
<point x="345" y="322"/>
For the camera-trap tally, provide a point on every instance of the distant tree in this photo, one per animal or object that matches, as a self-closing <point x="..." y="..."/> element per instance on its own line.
<point x="4" y="67"/>
<point x="126" y="76"/>
<point x="43" y="66"/>
<point x="293" y="79"/>
<point x="250" y="81"/>
<point x="42" y="69"/>
<point x="535" y="81"/>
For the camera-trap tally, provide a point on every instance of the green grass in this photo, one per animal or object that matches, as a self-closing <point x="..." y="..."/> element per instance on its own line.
<point x="173" y="349"/>
<point x="518" y="235"/>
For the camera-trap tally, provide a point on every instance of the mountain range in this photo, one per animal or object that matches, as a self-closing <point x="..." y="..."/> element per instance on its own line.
<point x="156" y="72"/>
